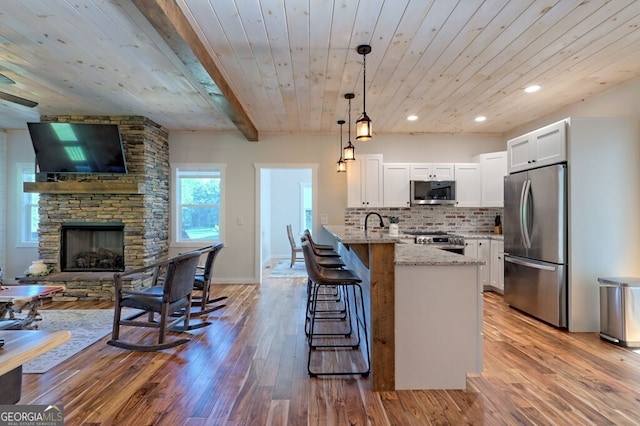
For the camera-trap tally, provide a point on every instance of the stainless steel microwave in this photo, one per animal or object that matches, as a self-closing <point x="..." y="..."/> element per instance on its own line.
<point x="433" y="192"/>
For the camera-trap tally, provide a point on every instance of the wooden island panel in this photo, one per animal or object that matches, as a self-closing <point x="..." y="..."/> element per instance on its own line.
<point x="375" y="265"/>
<point x="383" y="323"/>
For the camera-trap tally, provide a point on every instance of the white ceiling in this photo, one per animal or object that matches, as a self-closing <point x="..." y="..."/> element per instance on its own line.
<point x="290" y="62"/>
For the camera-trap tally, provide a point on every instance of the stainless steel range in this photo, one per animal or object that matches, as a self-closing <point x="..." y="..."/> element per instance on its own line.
<point x="440" y="240"/>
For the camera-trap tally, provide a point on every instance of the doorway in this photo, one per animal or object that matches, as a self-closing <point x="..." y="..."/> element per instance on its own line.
<point x="287" y="195"/>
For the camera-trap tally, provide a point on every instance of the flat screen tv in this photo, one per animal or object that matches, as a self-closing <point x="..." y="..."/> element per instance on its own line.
<point x="77" y="148"/>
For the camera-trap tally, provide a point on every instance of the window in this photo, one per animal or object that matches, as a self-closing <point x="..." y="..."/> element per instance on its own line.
<point x="29" y="217"/>
<point x="198" y="200"/>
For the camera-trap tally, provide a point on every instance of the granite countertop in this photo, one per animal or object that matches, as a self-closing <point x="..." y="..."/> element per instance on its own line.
<point x="423" y="255"/>
<point x="405" y="254"/>
<point x="479" y="235"/>
<point x="358" y="236"/>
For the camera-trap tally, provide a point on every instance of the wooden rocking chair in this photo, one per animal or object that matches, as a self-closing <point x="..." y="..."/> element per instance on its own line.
<point x="202" y="282"/>
<point x="172" y="295"/>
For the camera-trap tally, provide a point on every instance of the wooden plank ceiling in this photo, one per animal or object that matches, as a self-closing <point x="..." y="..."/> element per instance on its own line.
<point x="290" y="62"/>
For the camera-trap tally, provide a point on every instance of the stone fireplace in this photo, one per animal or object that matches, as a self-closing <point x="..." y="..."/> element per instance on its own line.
<point x="137" y="203"/>
<point x="92" y="247"/>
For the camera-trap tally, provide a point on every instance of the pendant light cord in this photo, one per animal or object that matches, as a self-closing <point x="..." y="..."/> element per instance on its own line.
<point x="364" y="84"/>
<point x="349" y="119"/>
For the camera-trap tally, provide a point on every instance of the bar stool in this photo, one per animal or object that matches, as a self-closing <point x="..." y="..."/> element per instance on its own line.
<point x="321" y="250"/>
<point x="345" y="281"/>
<point x="315" y="245"/>
<point x="332" y="294"/>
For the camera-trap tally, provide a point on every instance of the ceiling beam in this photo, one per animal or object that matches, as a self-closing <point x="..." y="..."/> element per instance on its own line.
<point x="169" y="21"/>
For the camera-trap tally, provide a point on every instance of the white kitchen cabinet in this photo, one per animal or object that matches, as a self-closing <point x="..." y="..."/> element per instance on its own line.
<point x="497" y="265"/>
<point x="471" y="248"/>
<point x="480" y="249"/>
<point x="396" y="189"/>
<point x="538" y="148"/>
<point x="493" y="168"/>
<point x="468" y="185"/>
<point x="484" y="253"/>
<point x="432" y="171"/>
<point x="364" y="181"/>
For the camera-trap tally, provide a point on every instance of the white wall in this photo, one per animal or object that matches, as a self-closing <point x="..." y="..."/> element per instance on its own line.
<point x="18" y="259"/>
<point x="285" y="203"/>
<point x="618" y="102"/>
<point x="265" y="217"/>
<point x="604" y="201"/>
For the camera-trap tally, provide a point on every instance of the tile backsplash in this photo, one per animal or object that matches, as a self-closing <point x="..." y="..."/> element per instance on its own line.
<point x="432" y="218"/>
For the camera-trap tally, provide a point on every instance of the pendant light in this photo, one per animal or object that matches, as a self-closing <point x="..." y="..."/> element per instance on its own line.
<point x="363" y="125"/>
<point x="341" y="165"/>
<point x="349" y="150"/>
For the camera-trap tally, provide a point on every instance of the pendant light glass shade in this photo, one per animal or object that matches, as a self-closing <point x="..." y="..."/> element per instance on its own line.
<point x="363" y="125"/>
<point x="349" y="151"/>
<point x="341" y="166"/>
<point x="363" y="128"/>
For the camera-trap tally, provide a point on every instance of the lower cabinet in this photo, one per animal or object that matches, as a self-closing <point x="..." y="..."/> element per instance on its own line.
<point x="497" y="265"/>
<point x="480" y="249"/>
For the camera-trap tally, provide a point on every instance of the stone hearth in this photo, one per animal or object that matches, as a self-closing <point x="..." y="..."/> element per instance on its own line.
<point x="144" y="214"/>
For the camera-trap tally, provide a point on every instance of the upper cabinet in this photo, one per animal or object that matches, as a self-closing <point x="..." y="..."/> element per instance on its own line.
<point x="539" y="148"/>
<point x="372" y="183"/>
<point x="396" y="189"/>
<point x="364" y="181"/>
<point x="468" y="185"/>
<point x="493" y="168"/>
<point x="432" y="171"/>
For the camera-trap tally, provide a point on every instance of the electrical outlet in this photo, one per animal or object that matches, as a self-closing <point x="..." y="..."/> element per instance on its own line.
<point x="324" y="219"/>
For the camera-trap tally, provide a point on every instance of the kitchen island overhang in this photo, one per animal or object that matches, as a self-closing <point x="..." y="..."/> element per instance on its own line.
<point x="424" y="307"/>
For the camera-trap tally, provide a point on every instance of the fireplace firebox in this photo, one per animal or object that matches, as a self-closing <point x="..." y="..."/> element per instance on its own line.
<point x="92" y="247"/>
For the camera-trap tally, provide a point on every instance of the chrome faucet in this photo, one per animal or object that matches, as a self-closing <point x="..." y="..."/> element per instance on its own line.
<point x="367" y="218"/>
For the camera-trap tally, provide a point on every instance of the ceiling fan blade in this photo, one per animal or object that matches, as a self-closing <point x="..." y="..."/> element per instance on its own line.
<point x="6" y="80"/>
<point x="17" y="100"/>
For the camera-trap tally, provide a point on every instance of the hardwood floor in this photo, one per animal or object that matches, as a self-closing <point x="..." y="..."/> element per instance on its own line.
<point x="249" y="367"/>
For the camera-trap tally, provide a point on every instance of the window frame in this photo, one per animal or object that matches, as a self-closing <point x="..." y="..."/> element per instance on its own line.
<point x="24" y="208"/>
<point x="176" y="226"/>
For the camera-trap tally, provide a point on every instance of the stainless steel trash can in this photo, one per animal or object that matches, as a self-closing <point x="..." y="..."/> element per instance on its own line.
<point x="620" y="310"/>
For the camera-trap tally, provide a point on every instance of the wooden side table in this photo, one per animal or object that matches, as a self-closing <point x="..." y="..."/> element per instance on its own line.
<point x="19" y="347"/>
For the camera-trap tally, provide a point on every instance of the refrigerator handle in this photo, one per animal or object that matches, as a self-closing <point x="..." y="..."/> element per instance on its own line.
<point x="529" y="264"/>
<point x="524" y="213"/>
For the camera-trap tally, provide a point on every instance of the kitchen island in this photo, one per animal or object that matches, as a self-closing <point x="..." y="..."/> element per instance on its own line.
<point x="424" y="310"/>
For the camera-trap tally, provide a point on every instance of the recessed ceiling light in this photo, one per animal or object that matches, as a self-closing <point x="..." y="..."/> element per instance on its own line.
<point x="533" y="88"/>
<point x="412" y="117"/>
<point x="480" y="118"/>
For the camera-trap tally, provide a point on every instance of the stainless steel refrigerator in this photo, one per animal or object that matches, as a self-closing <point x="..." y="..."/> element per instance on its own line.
<point x="535" y="243"/>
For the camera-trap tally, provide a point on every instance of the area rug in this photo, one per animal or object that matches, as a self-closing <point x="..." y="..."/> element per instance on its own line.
<point x="282" y="270"/>
<point x="87" y="326"/>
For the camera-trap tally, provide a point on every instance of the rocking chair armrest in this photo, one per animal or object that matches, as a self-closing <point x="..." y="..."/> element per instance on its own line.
<point x="141" y="293"/>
